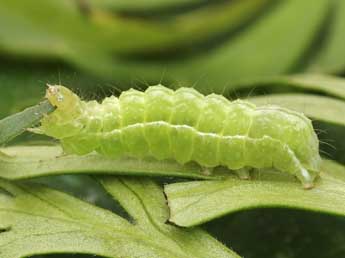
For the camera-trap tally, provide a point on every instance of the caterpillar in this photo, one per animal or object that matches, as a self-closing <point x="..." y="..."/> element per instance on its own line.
<point x="185" y="126"/>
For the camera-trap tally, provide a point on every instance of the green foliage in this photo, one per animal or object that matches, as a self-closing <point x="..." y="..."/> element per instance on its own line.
<point x="283" y="52"/>
<point x="15" y="125"/>
<point x="193" y="203"/>
<point x="330" y="58"/>
<point x="224" y="43"/>
<point x="39" y="220"/>
<point x="21" y="162"/>
<point x="315" y="83"/>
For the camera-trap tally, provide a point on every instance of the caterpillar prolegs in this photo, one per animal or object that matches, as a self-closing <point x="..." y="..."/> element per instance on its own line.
<point x="185" y="125"/>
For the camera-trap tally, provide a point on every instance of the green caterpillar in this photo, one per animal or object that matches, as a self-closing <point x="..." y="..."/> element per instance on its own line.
<point x="185" y="125"/>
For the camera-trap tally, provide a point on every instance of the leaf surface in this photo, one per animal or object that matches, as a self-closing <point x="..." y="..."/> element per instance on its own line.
<point x="193" y="203"/>
<point x="16" y="124"/>
<point x="38" y="220"/>
<point x="187" y="31"/>
<point x="251" y="54"/>
<point x="22" y="162"/>
<point x="330" y="85"/>
<point x="142" y="4"/>
<point x="330" y="58"/>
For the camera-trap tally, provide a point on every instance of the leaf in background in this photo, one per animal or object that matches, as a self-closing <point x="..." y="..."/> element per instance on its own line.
<point x="22" y="86"/>
<point x="331" y="57"/>
<point x="90" y="42"/>
<point x="193" y="203"/>
<point x="39" y="220"/>
<point x="317" y="107"/>
<point x="35" y="161"/>
<point x="187" y="32"/>
<point x="16" y="124"/>
<point x="42" y="33"/>
<point x="261" y="50"/>
<point x="327" y="84"/>
<point x="268" y="47"/>
<point x="142" y="5"/>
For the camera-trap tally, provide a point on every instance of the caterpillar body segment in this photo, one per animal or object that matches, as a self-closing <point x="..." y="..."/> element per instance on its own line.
<point x="186" y="126"/>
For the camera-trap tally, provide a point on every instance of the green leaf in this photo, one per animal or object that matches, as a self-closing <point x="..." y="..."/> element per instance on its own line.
<point x="16" y="124"/>
<point x="35" y="32"/>
<point x="321" y="108"/>
<point x="259" y="50"/>
<point x="38" y="220"/>
<point x="153" y="215"/>
<point x="330" y="58"/>
<point x="91" y="42"/>
<point x="142" y="4"/>
<point x="24" y="86"/>
<point x="330" y="85"/>
<point x="34" y="161"/>
<point x="194" y="203"/>
<point x="187" y="32"/>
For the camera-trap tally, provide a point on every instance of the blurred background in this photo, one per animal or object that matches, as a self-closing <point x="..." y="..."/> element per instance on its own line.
<point x="239" y="48"/>
<point x="104" y="46"/>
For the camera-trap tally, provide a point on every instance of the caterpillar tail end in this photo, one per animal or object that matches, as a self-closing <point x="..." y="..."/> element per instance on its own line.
<point x="307" y="178"/>
<point x="308" y="186"/>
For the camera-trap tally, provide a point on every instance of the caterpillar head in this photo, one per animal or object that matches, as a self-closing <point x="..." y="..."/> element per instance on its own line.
<point x="61" y="97"/>
<point x="64" y="121"/>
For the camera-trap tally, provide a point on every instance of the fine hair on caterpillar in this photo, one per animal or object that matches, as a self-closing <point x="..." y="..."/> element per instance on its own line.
<point x="185" y="126"/>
